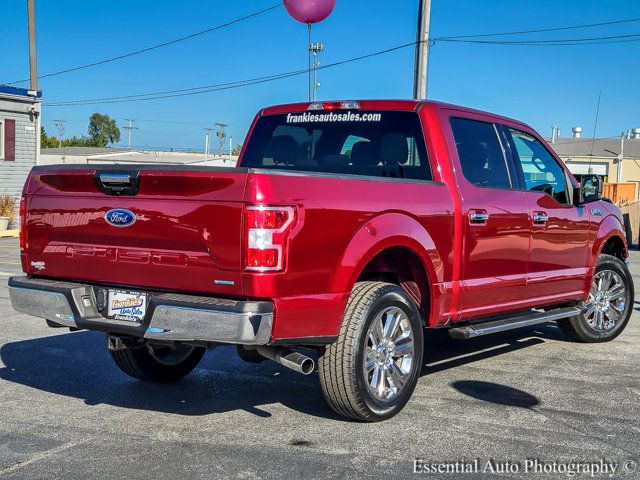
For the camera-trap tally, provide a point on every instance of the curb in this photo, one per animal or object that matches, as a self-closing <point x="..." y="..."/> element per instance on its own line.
<point x="9" y="233"/>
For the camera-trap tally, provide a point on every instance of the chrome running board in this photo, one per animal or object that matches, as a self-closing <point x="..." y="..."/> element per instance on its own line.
<point x="481" y="328"/>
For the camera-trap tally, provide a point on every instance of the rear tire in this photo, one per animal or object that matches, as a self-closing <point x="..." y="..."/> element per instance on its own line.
<point x="158" y="364"/>
<point x="370" y="372"/>
<point x="609" y="306"/>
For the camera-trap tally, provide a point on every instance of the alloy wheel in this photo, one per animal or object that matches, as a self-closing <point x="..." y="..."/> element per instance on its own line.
<point x="388" y="358"/>
<point x="607" y="301"/>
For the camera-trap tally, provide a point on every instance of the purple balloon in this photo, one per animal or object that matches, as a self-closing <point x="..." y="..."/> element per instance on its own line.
<point x="309" y="11"/>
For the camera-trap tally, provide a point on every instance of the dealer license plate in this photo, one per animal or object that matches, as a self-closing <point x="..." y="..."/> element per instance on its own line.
<point x="128" y="306"/>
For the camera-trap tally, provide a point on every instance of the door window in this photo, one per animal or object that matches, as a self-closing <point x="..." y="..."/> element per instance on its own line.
<point x="481" y="154"/>
<point x="541" y="171"/>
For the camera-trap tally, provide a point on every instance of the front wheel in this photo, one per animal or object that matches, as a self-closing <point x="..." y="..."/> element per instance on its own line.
<point x="370" y="372"/>
<point x="160" y="364"/>
<point x="608" y="308"/>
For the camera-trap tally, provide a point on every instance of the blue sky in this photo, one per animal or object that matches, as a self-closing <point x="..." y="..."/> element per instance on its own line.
<point x="536" y="84"/>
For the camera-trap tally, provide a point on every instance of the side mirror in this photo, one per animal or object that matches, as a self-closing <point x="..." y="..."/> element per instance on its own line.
<point x="590" y="190"/>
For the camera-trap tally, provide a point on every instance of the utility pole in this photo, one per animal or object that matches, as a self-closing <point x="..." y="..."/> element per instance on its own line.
<point x="207" y="142"/>
<point x="422" y="51"/>
<point x="60" y="126"/>
<point x="128" y="128"/>
<point x="33" y="64"/>
<point x="620" y="158"/>
<point x="221" y="135"/>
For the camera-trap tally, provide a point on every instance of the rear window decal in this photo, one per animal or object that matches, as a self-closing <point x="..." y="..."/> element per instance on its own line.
<point x="333" y="117"/>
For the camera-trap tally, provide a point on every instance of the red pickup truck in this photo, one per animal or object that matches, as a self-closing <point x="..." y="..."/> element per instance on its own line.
<point x="344" y="231"/>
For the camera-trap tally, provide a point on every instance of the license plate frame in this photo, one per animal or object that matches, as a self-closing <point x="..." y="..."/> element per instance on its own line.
<point x="127" y="305"/>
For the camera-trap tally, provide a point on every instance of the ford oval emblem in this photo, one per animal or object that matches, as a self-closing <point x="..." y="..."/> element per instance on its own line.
<point x="120" y="217"/>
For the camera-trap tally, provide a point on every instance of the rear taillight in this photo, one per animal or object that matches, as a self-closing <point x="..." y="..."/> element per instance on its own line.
<point x="23" y="223"/>
<point x="267" y="231"/>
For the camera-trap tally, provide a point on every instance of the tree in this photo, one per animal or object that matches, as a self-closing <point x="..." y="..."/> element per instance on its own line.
<point x="103" y="130"/>
<point x="237" y="149"/>
<point x="46" y="141"/>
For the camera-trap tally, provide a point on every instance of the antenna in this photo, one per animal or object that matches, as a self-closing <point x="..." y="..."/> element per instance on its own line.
<point x="60" y="126"/>
<point x="595" y="127"/>
<point x="128" y="129"/>
<point x="315" y="48"/>
<point x="221" y="135"/>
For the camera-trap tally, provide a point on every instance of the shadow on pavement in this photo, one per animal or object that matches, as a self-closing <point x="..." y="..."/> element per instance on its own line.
<point x="443" y="353"/>
<point x="78" y="365"/>
<point x="496" y="393"/>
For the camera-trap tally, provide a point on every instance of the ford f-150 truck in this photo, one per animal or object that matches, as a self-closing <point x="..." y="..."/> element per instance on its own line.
<point x="345" y="230"/>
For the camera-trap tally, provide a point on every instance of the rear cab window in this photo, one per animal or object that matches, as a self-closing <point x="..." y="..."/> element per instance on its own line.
<point x="379" y="144"/>
<point x="481" y="153"/>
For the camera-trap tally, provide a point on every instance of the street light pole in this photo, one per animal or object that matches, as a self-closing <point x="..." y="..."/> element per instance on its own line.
<point x="422" y="51"/>
<point x="620" y="158"/>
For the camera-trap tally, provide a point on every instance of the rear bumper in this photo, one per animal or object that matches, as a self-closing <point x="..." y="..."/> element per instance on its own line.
<point x="169" y="317"/>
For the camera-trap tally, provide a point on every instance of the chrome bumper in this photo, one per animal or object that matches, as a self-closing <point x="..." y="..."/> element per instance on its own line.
<point x="169" y="317"/>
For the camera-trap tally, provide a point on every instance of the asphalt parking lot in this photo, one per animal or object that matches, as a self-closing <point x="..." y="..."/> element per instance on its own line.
<point x="66" y="411"/>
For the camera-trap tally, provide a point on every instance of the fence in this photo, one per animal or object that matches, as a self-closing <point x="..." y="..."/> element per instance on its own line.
<point x="621" y="193"/>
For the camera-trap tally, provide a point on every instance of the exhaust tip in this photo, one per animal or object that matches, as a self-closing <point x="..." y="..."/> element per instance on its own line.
<point x="307" y="366"/>
<point x="288" y="358"/>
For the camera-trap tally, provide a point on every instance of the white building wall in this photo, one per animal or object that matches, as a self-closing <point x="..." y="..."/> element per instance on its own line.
<point x="14" y="173"/>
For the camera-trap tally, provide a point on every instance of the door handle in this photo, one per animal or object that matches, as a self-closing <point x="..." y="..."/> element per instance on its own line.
<point x="478" y="217"/>
<point x="540" y="218"/>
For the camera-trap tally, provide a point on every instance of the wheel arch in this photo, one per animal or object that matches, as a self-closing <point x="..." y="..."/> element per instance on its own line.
<point x="388" y="246"/>
<point x="610" y="239"/>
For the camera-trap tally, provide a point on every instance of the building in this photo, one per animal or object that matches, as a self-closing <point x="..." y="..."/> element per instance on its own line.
<point x="601" y="157"/>
<point x="108" y="155"/>
<point x="19" y="137"/>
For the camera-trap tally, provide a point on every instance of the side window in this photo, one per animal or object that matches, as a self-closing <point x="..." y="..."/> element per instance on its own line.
<point x="481" y="154"/>
<point x="540" y="170"/>
<point x="351" y="140"/>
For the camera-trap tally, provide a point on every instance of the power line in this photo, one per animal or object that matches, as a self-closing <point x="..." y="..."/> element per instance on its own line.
<point x="273" y="7"/>
<point x="540" y="30"/>
<point x="221" y="86"/>
<point x="555" y="42"/>
<point x="458" y="38"/>
<point x="264" y="79"/>
<point x="154" y="47"/>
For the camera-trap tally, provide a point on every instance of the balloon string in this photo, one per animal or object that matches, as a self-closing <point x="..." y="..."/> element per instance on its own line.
<point x="309" y="55"/>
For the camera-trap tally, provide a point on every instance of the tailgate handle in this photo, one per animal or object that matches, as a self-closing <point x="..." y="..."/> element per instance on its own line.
<point x="118" y="184"/>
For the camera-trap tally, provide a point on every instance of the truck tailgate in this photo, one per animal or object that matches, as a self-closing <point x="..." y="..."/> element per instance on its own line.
<point x="185" y="232"/>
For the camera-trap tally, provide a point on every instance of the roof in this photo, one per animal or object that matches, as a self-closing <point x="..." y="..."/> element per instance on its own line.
<point x="148" y="157"/>
<point x="22" y="92"/>
<point x="142" y="159"/>
<point x="82" y="151"/>
<point x="364" y="105"/>
<point x="602" y="147"/>
<point x="382" y="105"/>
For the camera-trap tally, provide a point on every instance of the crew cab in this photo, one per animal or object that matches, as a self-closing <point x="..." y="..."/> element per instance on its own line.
<point x="346" y="230"/>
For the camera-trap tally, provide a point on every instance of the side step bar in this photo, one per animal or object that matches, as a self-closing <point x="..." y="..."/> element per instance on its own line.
<point x="486" y="328"/>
